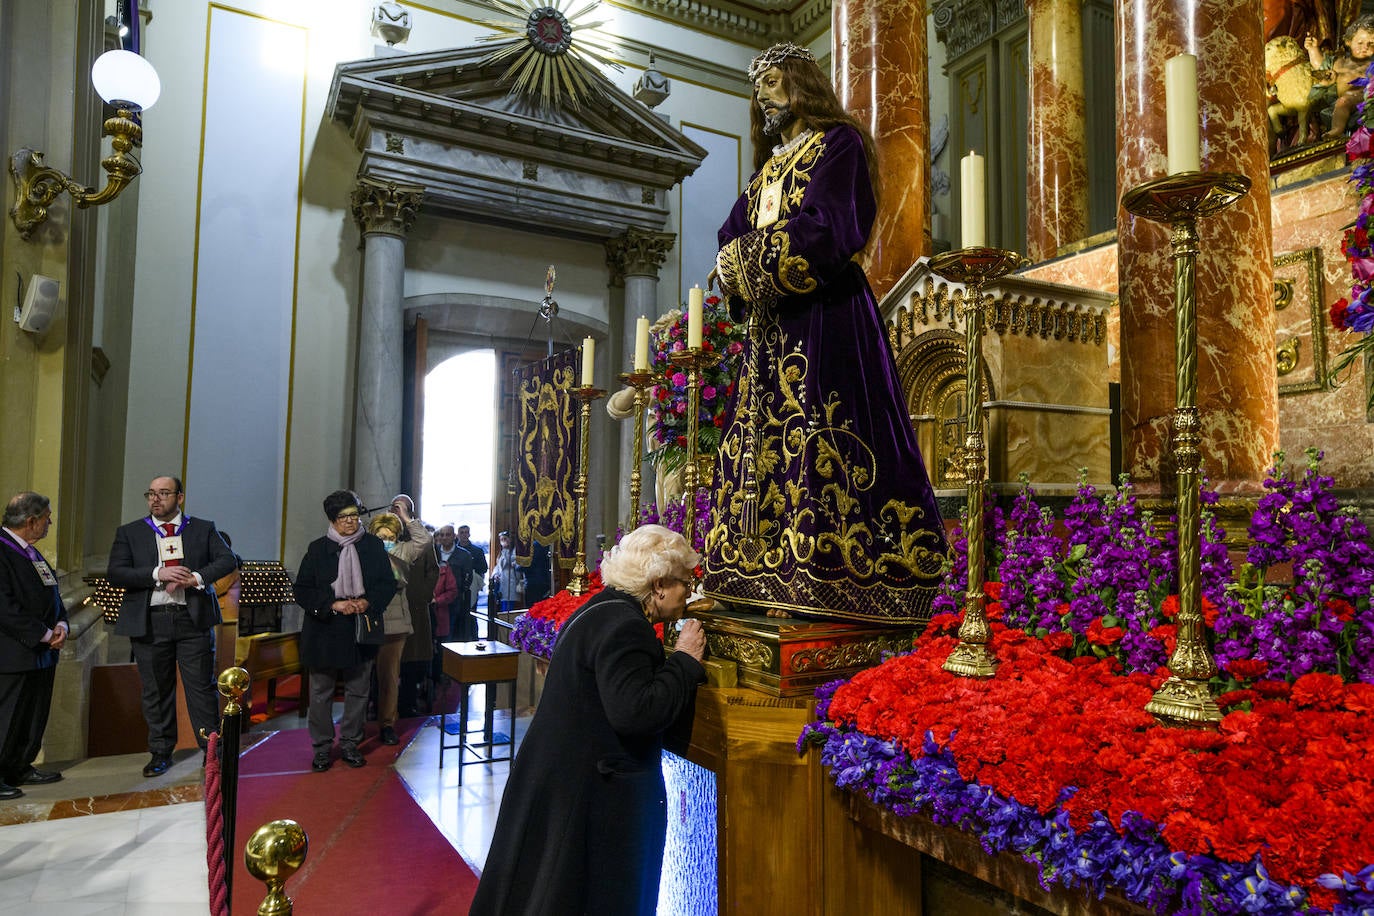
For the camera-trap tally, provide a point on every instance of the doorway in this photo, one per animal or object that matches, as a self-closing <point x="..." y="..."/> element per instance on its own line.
<point x="459" y="438"/>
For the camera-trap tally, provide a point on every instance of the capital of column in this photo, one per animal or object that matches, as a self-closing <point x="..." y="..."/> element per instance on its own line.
<point x="637" y="252"/>
<point x="386" y="207"/>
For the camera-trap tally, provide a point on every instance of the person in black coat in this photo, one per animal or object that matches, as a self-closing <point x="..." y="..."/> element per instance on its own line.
<point x="343" y="575"/>
<point x="584" y="816"/>
<point x="33" y="627"/>
<point x="167" y="563"/>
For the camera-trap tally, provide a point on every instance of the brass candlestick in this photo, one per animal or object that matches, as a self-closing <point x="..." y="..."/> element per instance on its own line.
<point x="693" y="360"/>
<point x="974" y="267"/>
<point x="640" y="382"/>
<point x="578" y="584"/>
<point x="1185" y="699"/>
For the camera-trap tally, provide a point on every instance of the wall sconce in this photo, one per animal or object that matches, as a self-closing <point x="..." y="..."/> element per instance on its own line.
<point x="130" y="84"/>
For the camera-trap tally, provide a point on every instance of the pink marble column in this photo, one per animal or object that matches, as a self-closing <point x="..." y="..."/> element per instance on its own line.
<point x="1056" y="160"/>
<point x="1237" y="381"/>
<point x="881" y="78"/>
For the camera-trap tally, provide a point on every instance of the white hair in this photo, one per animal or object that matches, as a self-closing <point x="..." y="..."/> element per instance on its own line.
<point x="646" y="555"/>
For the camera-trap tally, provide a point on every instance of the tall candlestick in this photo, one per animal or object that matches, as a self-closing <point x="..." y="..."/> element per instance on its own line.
<point x="588" y="361"/>
<point x="1181" y="113"/>
<point x="972" y="205"/>
<point x="641" y="344"/>
<point x="694" y="298"/>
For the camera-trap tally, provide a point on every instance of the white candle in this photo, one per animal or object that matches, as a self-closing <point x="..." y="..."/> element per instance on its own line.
<point x="642" y="344"/>
<point x="588" y="361"/>
<point x="972" y="205"/>
<point x="694" y="298"/>
<point x="1181" y="113"/>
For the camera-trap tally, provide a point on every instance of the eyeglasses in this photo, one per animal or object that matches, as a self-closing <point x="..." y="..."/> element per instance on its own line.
<point x="347" y="514"/>
<point x="159" y="494"/>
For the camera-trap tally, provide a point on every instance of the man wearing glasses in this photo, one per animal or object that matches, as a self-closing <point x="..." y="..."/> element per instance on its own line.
<point x="166" y="563"/>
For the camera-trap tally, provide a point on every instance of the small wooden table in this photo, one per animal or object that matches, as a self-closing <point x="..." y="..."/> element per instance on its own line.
<point x="479" y="662"/>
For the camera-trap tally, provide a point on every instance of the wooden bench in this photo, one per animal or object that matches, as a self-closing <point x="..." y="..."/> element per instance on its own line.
<point x="268" y="656"/>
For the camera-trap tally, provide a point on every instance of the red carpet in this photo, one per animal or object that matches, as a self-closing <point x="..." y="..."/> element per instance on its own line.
<point x="372" y="850"/>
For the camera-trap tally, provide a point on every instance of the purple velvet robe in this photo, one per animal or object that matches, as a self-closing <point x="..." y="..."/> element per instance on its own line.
<point x="823" y="506"/>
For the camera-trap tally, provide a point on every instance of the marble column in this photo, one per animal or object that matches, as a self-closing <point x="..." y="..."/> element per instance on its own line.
<point x="1056" y="158"/>
<point x="634" y="259"/>
<point x="882" y="79"/>
<point x="1237" y="380"/>
<point x="384" y="212"/>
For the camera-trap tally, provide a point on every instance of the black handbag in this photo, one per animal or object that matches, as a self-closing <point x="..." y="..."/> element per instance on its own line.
<point x="368" y="632"/>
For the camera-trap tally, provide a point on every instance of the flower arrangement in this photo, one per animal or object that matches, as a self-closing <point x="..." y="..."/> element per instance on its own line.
<point x="536" y="630"/>
<point x="1265" y="815"/>
<point x="668" y="401"/>
<point x="1056" y="761"/>
<point x="1356" y="312"/>
<point x="1109" y="587"/>
<point x="674" y="517"/>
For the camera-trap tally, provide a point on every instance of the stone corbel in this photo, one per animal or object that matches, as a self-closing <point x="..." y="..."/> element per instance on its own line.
<point x="385" y="207"/>
<point x="639" y="252"/>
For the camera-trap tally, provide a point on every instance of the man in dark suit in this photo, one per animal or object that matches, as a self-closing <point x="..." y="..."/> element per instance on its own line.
<point x="167" y="563"/>
<point x="33" y="627"/>
<point x="462" y="626"/>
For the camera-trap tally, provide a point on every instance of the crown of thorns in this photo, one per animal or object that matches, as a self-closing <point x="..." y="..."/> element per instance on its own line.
<point x="776" y="55"/>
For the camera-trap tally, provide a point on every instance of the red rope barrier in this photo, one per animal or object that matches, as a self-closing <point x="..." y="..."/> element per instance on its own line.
<point x="214" y="830"/>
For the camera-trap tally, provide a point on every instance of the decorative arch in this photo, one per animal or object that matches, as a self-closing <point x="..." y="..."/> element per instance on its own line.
<point x="931" y="370"/>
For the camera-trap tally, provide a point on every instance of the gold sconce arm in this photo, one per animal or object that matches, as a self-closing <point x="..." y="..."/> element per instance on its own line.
<point x="37" y="185"/>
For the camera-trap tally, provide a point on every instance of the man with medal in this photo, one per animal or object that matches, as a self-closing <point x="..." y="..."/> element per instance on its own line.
<point x="33" y="628"/>
<point x="167" y="562"/>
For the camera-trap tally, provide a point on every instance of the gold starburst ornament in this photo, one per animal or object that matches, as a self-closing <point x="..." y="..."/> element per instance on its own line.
<point x="558" y="58"/>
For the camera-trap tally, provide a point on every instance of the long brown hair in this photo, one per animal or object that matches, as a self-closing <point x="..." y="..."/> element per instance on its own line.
<point x="815" y="104"/>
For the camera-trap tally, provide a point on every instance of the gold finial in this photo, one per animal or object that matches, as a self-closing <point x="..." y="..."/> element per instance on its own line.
<point x="233" y="684"/>
<point x="274" y="853"/>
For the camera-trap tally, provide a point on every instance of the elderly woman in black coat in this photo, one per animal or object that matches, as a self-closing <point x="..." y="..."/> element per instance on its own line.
<point x="584" y="816"/>
<point x="344" y="575"/>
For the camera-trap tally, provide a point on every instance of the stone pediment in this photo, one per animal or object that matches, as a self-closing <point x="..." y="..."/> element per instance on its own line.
<point x="443" y="121"/>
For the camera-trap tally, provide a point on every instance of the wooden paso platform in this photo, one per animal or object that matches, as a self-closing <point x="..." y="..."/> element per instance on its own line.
<point x="787" y="841"/>
<point x="789" y="657"/>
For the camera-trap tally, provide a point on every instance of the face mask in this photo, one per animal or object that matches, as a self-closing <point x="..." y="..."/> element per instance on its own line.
<point x="388" y="544"/>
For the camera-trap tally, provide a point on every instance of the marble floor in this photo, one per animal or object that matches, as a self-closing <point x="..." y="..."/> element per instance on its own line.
<point x="108" y="842"/>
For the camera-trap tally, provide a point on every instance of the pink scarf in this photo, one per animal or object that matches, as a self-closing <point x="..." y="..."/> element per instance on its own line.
<point x="349" y="584"/>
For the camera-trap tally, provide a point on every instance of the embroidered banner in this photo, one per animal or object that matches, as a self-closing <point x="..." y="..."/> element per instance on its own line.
<point x="546" y="450"/>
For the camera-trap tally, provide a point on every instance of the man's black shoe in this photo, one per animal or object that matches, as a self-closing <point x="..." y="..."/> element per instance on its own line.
<point x="8" y="791"/>
<point x="389" y="735"/>
<point x="159" y="764"/>
<point x="35" y="777"/>
<point x="352" y="757"/>
<point x="322" y="761"/>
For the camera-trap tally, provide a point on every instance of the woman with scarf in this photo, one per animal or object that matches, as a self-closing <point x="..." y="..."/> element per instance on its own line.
<point x="344" y="575"/>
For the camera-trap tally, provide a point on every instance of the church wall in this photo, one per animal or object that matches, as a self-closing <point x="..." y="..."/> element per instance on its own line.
<point x="195" y="411"/>
<point x="1335" y="420"/>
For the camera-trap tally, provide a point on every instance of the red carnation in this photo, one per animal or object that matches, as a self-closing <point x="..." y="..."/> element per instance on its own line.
<point x="1058" y="640"/>
<point x="1341" y="609"/>
<point x="1318" y="690"/>
<point x="1235" y="698"/>
<point x="1169" y="606"/>
<point x="1247" y="669"/>
<point x="1104" y="636"/>
<point x="1338" y="313"/>
<point x="993" y="590"/>
<point x="1272" y="690"/>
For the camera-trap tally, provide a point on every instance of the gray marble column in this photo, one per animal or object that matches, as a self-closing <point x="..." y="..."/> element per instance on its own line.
<point x="384" y="212"/>
<point x="634" y="259"/>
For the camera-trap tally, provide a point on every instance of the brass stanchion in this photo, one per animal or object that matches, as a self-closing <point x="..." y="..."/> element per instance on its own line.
<point x="693" y="360"/>
<point x="640" y="382"/>
<point x="974" y="267"/>
<point x="1185" y="698"/>
<point x="274" y="853"/>
<point x="233" y="683"/>
<point x="579" y="584"/>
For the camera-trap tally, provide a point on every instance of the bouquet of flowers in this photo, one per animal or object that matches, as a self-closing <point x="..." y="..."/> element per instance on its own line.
<point x="1356" y="312"/>
<point x="668" y="401"/>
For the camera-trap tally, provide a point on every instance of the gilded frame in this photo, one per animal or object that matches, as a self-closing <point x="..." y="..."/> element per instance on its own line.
<point x="1298" y="277"/>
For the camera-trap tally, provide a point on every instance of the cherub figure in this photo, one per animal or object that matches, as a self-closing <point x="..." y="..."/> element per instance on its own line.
<point x="1337" y="71"/>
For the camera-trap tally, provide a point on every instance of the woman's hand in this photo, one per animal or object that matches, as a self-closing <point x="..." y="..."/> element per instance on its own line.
<point x="692" y="639"/>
